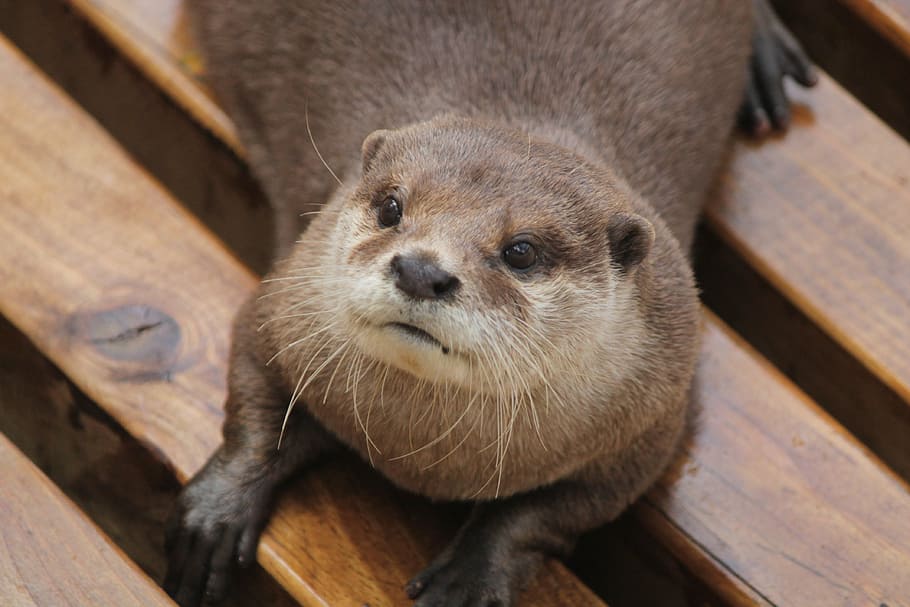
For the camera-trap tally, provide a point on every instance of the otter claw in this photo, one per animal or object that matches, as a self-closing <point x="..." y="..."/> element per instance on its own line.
<point x="775" y="54"/>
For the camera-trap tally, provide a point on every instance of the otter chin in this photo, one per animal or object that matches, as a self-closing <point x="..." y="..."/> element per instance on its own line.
<point x="410" y="349"/>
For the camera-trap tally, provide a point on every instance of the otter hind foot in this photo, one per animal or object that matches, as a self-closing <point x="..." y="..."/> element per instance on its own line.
<point x="775" y="54"/>
<point x="470" y="578"/>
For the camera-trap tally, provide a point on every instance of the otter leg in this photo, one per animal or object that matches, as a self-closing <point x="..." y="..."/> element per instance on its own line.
<point x="503" y="543"/>
<point x="775" y="54"/>
<point x="221" y="513"/>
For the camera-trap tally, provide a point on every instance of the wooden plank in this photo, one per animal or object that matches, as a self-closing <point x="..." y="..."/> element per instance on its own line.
<point x="890" y="17"/>
<point x="823" y="216"/>
<point x="863" y="44"/>
<point x="771" y="501"/>
<point x="132" y="298"/>
<point x="810" y="357"/>
<point x="51" y="554"/>
<point x="778" y="494"/>
<point x="156" y="37"/>
<point x="202" y="171"/>
<point x="807" y="211"/>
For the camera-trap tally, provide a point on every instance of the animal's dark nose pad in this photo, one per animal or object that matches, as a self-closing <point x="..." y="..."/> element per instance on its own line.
<point x="421" y="278"/>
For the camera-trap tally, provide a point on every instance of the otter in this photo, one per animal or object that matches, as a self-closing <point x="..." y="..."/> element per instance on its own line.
<point x="491" y="299"/>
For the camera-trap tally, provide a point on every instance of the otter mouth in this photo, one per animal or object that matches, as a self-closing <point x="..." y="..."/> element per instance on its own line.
<point x="417" y="334"/>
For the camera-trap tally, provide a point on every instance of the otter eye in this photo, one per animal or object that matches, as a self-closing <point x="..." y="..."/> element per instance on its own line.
<point x="389" y="212"/>
<point x="520" y="255"/>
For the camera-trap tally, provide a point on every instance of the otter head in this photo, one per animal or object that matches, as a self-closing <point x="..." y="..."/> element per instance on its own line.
<point x="470" y="254"/>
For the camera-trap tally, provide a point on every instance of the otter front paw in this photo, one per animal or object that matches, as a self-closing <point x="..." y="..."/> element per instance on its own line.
<point x="215" y="524"/>
<point x="775" y="54"/>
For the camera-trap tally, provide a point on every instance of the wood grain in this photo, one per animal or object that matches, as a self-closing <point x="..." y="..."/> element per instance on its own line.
<point x="132" y="298"/>
<point x="890" y="17"/>
<point x="197" y="167"/>
<point x="772" y="500"/>
<point x="155" y="36"/>
<point x="874" y="413"/>
<point x="779" y="494"/>
<point x="51" y="554"/>
<point x="850" y="41"/>
<point x="823" y="214"/>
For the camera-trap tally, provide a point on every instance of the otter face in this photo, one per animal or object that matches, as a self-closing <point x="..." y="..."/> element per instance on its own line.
<point x="469" y="255"/>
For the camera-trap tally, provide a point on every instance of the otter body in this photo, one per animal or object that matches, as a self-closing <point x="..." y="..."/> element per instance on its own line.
<point x="613" y="83"/>
<point x="491" y="298"/>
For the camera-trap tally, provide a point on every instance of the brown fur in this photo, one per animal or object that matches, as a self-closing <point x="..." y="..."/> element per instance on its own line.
<point x="558" y="394"/>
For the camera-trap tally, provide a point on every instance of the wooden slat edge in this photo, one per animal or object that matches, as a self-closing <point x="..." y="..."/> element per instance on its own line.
<point x="748" y="224"/>
<point x="162" y="70"/>
<point x="53" y="552"/>
<point x="884" y="17"/>
<point x="770" y="502"/>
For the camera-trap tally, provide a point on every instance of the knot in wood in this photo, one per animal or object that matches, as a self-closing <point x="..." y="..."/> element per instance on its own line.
<point x="132" y="333"/>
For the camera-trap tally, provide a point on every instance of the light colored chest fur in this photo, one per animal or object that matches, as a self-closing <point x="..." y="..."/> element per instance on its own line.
<point x="446" y="443"/>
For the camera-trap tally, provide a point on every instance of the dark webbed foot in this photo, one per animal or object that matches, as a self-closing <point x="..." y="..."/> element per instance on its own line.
<point x="775" y="54"/>
<point x="499" y="548"/>
<point x="471" y="576"/>
<point x="216" y="523"/>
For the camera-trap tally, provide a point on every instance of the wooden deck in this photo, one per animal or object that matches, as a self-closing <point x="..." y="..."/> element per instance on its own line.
<point x="51" y="554"/>
<point x="773" y="502"/>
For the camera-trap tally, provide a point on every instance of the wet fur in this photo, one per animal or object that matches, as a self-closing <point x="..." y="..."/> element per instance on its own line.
<point x="597" y="130"/>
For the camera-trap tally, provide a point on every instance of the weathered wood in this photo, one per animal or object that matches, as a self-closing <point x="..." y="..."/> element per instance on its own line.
<point x="768" y="483"/>
<point x="51" y="554"/>
<point x="155" y="35"/>
<point x="823" y="216"/>
<point x="155" y="127"/>
<point x="132" y="298"/>
<point x="864" y="45"/>
<point x="775" y="491"/>
<point x="811" y="358"/>
<point x="890" y="17"/>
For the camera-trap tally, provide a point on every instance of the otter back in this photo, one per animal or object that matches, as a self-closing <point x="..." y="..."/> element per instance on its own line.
<point x="650" y="86"/>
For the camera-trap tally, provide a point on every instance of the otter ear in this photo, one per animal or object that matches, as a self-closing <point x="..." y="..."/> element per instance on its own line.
<point x="631" y="237"/>
<point x="371" y="146"/>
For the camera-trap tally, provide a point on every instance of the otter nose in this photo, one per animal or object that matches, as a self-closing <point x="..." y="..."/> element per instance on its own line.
<point x="420" y="278"/>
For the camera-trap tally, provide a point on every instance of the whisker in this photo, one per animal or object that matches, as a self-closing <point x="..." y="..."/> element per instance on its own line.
<point x="306" y="118"/>
<point x="300" y="341"/>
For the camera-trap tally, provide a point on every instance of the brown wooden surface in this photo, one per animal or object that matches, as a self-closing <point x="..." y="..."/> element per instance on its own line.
<point x="821" y="214"/>
<point x="780" y="495"/>
<point x="132" y="299"/>
<point x="811" y="358"/>
<point x="850" y="40"/>
<point x="51" y="554"/>
<point x="890" y="17"/>
<point x="824" y="214"/>
<point x="155" y="35"/>
<point x="199" y="169"/>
